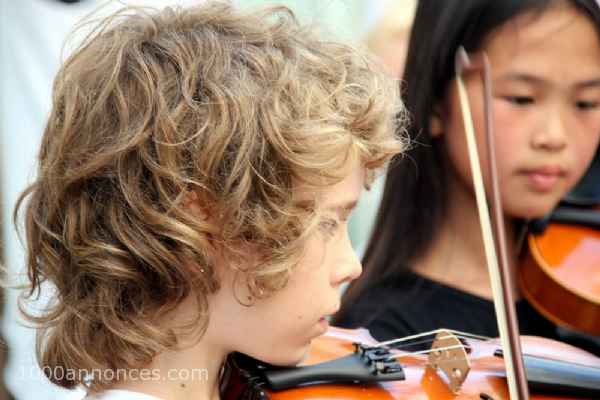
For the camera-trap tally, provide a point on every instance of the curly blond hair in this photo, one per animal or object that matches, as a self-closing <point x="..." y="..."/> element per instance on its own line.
<point x="236" y="108"/>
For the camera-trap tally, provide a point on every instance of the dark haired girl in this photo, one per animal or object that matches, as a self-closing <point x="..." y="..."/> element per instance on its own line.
<point x="425" y="264"/>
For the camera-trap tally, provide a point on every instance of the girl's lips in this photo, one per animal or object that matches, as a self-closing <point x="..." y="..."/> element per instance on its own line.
<point x="542" y="182"/>
<point x="543" y="179"/>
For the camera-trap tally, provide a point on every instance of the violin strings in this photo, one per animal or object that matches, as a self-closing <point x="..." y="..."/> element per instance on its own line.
<point x="404" y="345"/>
<point x="426" y="341"/>
<point x="397" y="344"/>
<point x="392" y="343"/>
<point x="414" y="353"/>
<point x="402" y="342"/>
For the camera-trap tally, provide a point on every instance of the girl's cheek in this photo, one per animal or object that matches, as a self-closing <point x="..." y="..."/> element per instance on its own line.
<point x="510" y="125"/>
<point x="505" y="113"/>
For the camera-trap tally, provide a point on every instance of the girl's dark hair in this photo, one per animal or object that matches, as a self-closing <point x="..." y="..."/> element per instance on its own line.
<point x="414" y="199"/>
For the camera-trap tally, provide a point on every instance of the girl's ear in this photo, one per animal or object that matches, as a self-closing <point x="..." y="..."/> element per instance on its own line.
<point x="436" y="123"/>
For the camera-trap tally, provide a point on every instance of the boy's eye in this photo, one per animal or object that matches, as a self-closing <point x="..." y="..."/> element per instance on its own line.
<point x="328" y="225"/>
<point x="586" y="105"/>
<point x="519" y="100"/>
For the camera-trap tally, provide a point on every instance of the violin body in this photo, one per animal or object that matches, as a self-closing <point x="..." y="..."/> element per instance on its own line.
<point x="486" y="380"/>
<point x="560" y="273"/>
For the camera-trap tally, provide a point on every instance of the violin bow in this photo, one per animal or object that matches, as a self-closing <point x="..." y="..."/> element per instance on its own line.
<point x="500" y="267"/>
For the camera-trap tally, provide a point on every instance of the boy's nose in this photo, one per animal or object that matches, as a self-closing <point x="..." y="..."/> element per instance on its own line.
<point x="349" y="266"/>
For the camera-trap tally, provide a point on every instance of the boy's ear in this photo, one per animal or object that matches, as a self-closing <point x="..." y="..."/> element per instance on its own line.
<point x="191" y="202"/>
<point x="436" y="122"/>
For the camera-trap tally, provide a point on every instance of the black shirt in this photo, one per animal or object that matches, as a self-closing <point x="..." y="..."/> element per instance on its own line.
<point x="413" y="304"/>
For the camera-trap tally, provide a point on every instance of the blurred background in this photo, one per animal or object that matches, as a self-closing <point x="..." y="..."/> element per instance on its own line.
<point x="32" y="33"/>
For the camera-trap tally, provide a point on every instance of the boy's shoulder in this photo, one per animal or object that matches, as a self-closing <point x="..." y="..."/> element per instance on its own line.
<point x="120" y="395"/>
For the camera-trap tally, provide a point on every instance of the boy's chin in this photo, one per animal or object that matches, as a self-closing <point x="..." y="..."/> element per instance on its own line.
<point x="292" y="357"/>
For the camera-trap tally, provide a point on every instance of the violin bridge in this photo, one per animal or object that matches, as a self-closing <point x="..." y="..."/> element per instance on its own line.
<point x="449" y="355"/>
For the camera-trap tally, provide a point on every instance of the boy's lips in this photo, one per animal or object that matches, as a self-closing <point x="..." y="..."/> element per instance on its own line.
<point x="324" y="320"/>
<point x="323" y="325"/>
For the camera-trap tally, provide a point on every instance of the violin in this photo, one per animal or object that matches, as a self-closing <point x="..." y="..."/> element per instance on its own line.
<point x="559" y="272"/>
<point x="350" y="364"/>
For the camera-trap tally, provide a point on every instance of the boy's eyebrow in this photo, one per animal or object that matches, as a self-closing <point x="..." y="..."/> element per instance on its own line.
<point x="342" y="207"/>
<point x="535" y="80"/>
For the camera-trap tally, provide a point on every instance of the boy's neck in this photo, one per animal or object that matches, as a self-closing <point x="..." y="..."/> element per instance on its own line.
<point x="457" y="255"/>
<point x="190" y="373"/>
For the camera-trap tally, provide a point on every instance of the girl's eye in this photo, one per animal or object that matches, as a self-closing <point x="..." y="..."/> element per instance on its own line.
<point x="520" y="100"/>
<point x="586" y="105"/>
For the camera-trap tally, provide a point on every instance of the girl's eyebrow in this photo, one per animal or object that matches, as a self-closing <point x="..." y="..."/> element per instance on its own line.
<point x="523" y="77"/>
<point x="538" y="81"/>
<point x="592" y="83"/>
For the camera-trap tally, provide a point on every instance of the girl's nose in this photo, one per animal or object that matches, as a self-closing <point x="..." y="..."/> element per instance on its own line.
<point x="552" y="136"/>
